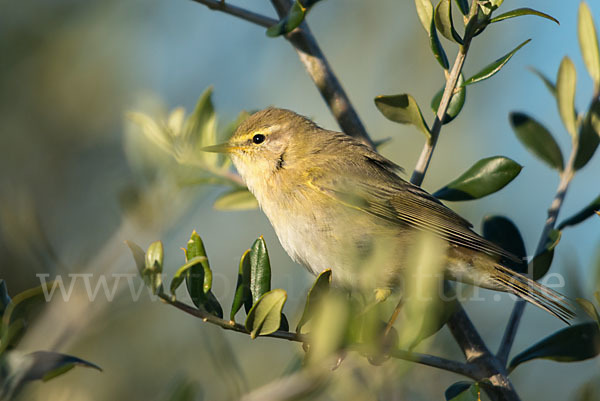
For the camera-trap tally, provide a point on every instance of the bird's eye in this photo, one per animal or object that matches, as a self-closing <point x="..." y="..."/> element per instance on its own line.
<point x="258" y="138"/>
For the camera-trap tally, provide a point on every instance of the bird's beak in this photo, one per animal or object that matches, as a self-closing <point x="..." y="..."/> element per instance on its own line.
<point x="220" y="148"/>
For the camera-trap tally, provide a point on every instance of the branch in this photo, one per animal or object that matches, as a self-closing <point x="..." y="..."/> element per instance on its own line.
<point x="461" y="327"/>
<point x="326" y="81"/>
<point x="258" y="19"/>
<point x="424" y="359"/>
<point x="517" y="313"/>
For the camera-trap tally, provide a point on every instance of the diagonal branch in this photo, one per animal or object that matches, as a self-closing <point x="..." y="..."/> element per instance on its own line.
<point x="321" y="73"/>
<point x="517" y="313"/>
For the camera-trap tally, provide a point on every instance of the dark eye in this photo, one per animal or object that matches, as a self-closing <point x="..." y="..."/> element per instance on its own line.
<point x="258" y="138"/>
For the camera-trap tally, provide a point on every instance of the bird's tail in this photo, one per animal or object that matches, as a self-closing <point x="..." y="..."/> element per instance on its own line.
<point x="535" y="293"/>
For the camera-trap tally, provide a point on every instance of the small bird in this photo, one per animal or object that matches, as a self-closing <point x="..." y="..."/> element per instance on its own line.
<point x="334" y="202"/>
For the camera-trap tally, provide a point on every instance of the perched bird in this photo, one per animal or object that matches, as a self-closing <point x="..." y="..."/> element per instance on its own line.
<point x="335" y="202"/>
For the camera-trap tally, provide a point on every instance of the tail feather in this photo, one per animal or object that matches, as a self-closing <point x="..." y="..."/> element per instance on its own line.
<point x="535" y="293"/>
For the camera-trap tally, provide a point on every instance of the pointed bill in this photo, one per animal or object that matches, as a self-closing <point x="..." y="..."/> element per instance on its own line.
<point x="220" y="148"/>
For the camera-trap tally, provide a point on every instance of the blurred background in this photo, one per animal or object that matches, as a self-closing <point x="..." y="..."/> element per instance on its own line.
<point x="75" y="185"/>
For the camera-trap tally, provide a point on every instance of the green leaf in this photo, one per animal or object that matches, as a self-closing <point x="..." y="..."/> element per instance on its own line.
<point x="139" y="256"/>
<point x="293" y="19"/>
<point x="537" y="139"/>
<point x="589" y="308"/>
<point x="47" y="365"/>
<point x="443" y="21"/>
<point x="462" y="391"/>
<point x="463" y="6"/>
<point x="565" y="94"/>
<point x="522" y="11"/>
<point x="402" y="109"/>
<point x="155" y="256"/>
<point x="493" y="68"/>
<point x="547" y="82"/>
<point x="19" y="312"/>
<point x="152" y="273"/>
<point x="426" y="16"/>
<point x="588" y="42"/>
<point x="575" y="343"/>
<point x="436" y="47"/>
<point x="4" y="297"/>
<point x="242" y="295"/>
<point x="589" y="135"/>
<point x="199" y="277"/>
<point x="319" y="289"/>
<point x="183" y="271"/>
<point x="237" y="199"/>
<point x="265" y="316"/>
<point x="485" y="177"/>
<point x="504" y="233"/>
<point x="582" y="215"/>
<point x="542" y="261"/>
<point x="456" y="104"/>
<point x="194" y="247"/>
<point x="290" y="22"/>
<point x="260" y="269"/>
<point x="425" y="13"/>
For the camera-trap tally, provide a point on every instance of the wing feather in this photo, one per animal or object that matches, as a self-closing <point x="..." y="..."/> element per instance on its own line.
<point x="398" y="201"/>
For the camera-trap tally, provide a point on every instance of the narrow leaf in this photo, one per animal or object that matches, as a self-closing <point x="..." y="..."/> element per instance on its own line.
<point x="155" y="256"/>
<point x="265" y="316"/>
<point x="152" y="273"/>
<point x="565" y="94"/>
<point x="541" y="263"/>
<point x="291" y="21"/>
<point x="402" y="109"/>
<point x="18" y="313"/>
<point x="237" y="199"/>
<point x="547" y="82"/>
<point x="425" y="13"/>
<point x="522" y="11"/>
<point x="443" y="21"/>
<point x="183" y="271"/>
<point x="537" y="139"/>
<point x="582" y="215"/>
<point x="504" y="233"/>
<point x="456" y="104"/>
<point x="575" y="343"/>
<point x="436" y="47"/>
<point x="46" y="365"/>
<point x="463" y="6"/>
<point x="318" y="290"/>
<point x="242" y="295"/>
<point x="260" y="269"/>
<point x="198" y="277"/>
<point x="139" y="256"/>
<point x="589" y="135"/>
<point x="588" y="42"/>
<point x="493" y="68"/>
<point x="589" y="308"/>
<point x="485" y="177"/>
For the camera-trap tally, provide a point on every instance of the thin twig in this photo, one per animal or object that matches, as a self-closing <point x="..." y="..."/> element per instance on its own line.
<point x="424" y="359"/>
<point x="517" y="313"/>
<point x="239" y="12"/>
